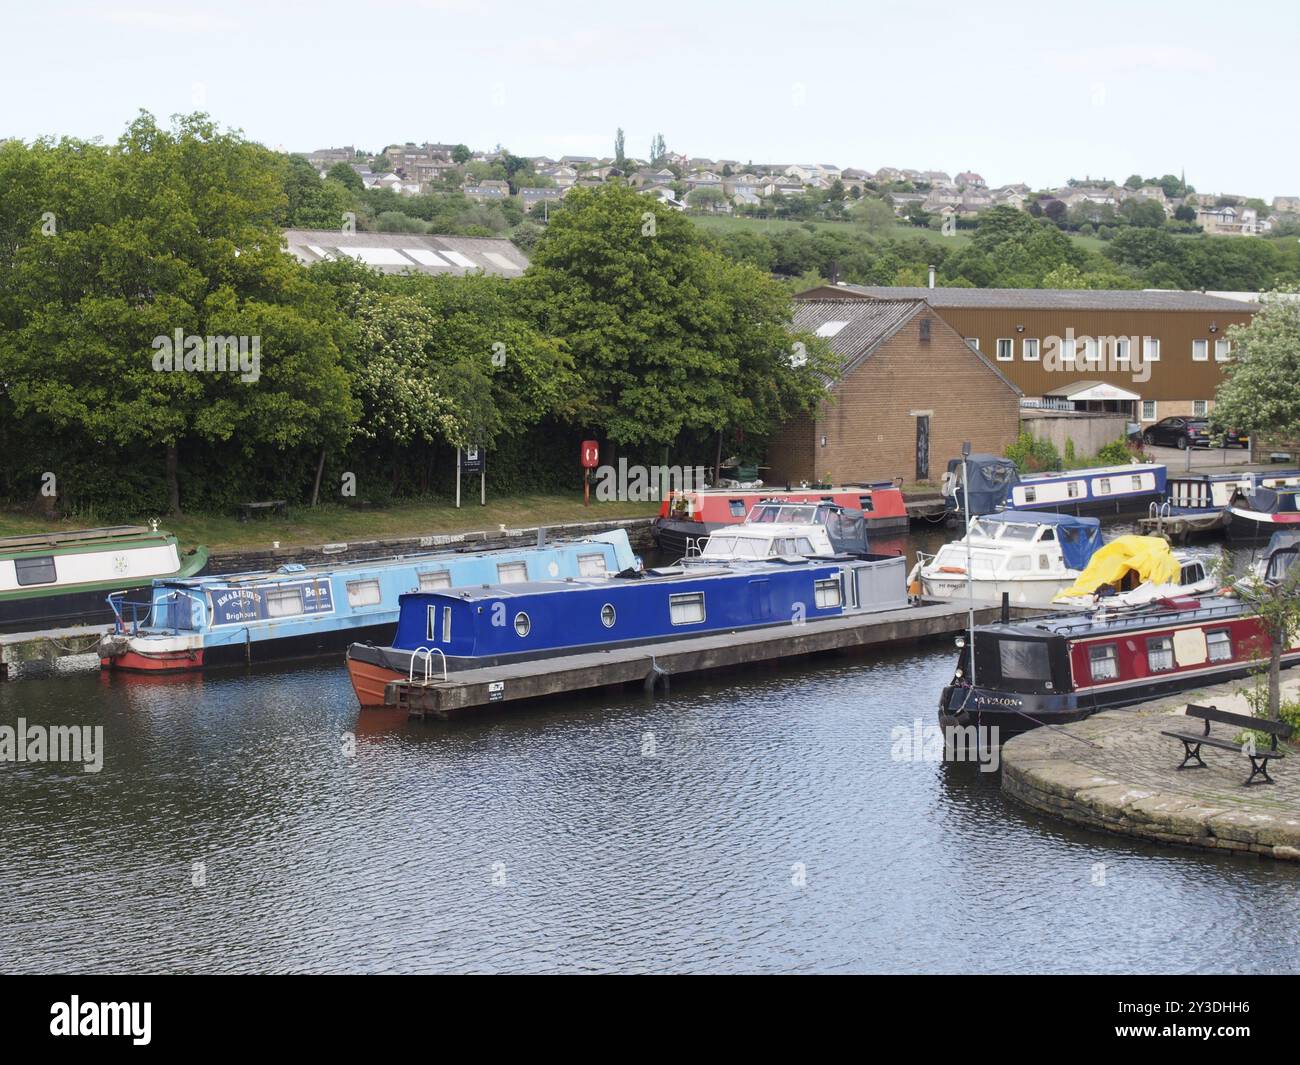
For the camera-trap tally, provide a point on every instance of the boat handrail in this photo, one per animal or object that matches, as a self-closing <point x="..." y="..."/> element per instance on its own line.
<point x="425" y="654"/>
<point x="117" y="601"/>
<point x="1153" y="615"/>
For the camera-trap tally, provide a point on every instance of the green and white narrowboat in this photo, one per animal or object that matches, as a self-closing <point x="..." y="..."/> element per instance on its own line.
<point x="58" y="579"/>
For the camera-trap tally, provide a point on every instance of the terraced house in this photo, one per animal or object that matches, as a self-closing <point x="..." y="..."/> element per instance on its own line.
<point x="1146" y="354"/>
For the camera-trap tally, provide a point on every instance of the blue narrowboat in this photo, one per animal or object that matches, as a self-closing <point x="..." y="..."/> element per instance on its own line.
<point x="299" y="611"/>
<point x="497" y="624"/>
<point x="995" y="484"/>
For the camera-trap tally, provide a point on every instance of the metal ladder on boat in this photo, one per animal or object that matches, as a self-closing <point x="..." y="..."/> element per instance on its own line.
<point x="425" y="655"/>
<point x="404" y="692"/>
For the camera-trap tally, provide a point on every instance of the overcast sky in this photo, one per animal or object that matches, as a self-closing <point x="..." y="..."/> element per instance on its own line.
<point x="1028" y="92"/>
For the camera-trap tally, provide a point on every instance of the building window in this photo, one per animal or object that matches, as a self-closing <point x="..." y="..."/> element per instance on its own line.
<point x="435" y="579"/>
<point x="35" y="571"/>
<point x="1151" y="349"/>
<point x="1160" y="654"/>
<point x="1006" y="349"/>
<point x="1121" y="349"/>
<point x="973" y="342"/>
<point x="1148" y="410"/>
<point x="1200" y="350"/>
<point x="591" y="566"/>
<point x="1103" y="662"/>
<point x="363" y="593"/>
<point x="1222" y="350"/>
<point x="512" y="572"/>
<point x="827" y="592"/>
<point x="1219" y="644"/>
<point x="686" y="608"/>
<point x="1029" y="349"/>
<point x="1090" y="351"/>
<point x="1200" y="408"/>
<point x="283" y="602"/>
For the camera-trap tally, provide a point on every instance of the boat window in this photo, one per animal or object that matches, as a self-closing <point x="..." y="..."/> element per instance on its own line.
<point x="522" y="625"/>
<point x="608" y="615"/>
<point x="1137" y="482"/>
<point x="431" y="624"/>
<point x="512" y="572"/>
<point x="1219" y="642"/>
<point x="1103" y="661"/>
<point x="1019" y="564"/>
<point x="866" y="504"/>
<point x="1103" y="486"/>
<point x="446" y="624"/>
<point x="827" y="592"/>
<point x="1019" y="533"/>
<point x="1024" y="660"/>
<point x="1044" y="562"/>
<point x="737" y="507"/>
<point x="686" y="608"/>
<point x="35" y="571"/>
<point x="283" y="602"/>
<point x="592" y="565"/>
<point x="1072" y="489"/>
<point x="1048" y="534"/>
<point x="363" y="593"/>
<point x="1031" y="494"/>
<point x="1160" y="653"/>
<point x="803" y="545"/>
<point x="1192" y="573"/>
<point x="437" y="578"/>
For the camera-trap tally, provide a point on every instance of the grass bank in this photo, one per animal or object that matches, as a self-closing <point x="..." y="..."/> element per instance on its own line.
<point x="305" y="526"/>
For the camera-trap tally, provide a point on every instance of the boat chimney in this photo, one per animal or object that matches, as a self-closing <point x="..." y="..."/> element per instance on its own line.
<point x="932" y="275"/>
<point x="541" y="536"/>
<point x="1006" y="607"/>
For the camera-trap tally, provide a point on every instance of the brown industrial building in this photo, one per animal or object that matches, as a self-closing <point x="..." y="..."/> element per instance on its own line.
<point x="910" y="392"/>
<point x="1177" y="338"/>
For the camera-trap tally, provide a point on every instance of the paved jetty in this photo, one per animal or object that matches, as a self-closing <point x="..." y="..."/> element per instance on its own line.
<point x="19" y="648"/>
<point x="1115" y="772"/>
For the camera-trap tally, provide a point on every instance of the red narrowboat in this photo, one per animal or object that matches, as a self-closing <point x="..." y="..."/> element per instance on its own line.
<point x="686" y="518"/>
<point x="1063" y="668"/>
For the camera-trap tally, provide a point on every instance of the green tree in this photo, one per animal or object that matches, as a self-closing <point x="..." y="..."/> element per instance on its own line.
<point x="1260" y="391"/>
<point x="667" y="336"/>
<point x="346" y="176"/>
<point x="168" y="230"/>
<point x="658" y="150"/>
<point x="460" y="155"/>
<point x="620" y="157"/>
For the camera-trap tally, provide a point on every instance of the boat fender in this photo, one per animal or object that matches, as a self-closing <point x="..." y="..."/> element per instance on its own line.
<point x="952" y="569"/>
<point x="657" y="676"/>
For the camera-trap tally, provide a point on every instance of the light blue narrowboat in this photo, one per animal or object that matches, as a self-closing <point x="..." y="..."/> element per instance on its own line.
<point x="299" y="611"/>
<point x="476" y="627"/>
<point x="996" y="485"/>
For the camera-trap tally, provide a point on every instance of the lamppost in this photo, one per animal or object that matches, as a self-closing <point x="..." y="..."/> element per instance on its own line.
<point x="970" y="576"/>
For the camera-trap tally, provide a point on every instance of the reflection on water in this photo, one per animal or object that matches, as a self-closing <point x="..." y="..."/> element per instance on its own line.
<point x="754" y="821"/>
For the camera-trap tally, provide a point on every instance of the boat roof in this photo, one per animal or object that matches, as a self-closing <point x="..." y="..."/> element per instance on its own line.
<point x="666" y="574"/>
<point x="1035" y="517"/>
<point x="293" y="571"/>
<point x="82" y="537"/>
<point x="1102" y="622"/>
<point x="1094" y="471"/>
<point x="774" y="491"/>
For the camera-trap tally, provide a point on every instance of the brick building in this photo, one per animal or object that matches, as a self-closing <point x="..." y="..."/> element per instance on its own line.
<point x="911" y="391"/>
<point x="1175" y="340"/>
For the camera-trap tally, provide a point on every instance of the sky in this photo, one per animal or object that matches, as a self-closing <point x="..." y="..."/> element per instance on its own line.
<point x="1029" y="92"/>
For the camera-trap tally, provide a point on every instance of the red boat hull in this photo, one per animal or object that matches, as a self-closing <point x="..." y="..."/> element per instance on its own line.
<point x="171" y="662"/>
<point x="369" y="681"/>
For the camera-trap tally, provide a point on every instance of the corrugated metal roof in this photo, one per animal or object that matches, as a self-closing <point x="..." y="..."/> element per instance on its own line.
<point x="1046" y="298"/>
<point x="417" y="252"/>
<point x="853" y="328"/>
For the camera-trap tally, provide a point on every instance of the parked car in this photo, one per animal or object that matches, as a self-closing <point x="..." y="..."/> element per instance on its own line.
<point x="1183" y="433"/>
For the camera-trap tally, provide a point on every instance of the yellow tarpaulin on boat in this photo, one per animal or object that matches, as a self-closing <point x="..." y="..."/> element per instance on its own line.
<point x="1147" y="556"/>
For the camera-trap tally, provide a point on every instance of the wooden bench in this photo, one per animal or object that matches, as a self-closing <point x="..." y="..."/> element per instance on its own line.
<point x="1192" y="741"/>
<point x="275" y="506"/>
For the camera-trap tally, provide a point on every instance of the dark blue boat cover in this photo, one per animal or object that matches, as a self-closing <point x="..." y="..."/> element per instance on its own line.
<point x="1079" y="537"/>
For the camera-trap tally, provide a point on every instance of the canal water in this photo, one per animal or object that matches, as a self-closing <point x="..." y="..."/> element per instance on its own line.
<point x="254" y="820"/>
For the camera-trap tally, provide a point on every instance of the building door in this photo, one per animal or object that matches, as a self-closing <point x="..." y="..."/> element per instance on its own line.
<point x="922" y="447"/>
